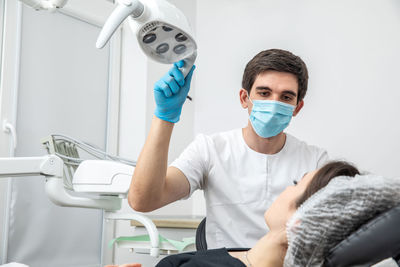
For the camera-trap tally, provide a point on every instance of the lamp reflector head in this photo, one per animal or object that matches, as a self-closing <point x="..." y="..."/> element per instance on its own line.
<point x="164" y="42"/>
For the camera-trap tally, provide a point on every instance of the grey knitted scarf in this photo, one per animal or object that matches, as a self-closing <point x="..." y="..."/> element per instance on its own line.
<point x="334" y="212"/>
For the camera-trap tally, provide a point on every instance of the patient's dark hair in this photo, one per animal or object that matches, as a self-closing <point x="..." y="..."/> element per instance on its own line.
<point x="325" y="175"/>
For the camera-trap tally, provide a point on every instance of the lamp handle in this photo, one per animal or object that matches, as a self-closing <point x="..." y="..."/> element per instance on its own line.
<point x="189" y="62"/>
<point x="120" y="13"/>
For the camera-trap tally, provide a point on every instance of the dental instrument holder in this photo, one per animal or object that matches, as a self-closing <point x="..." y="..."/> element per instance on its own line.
<point x="106" y="187"/>
<point x="162" y="30"/>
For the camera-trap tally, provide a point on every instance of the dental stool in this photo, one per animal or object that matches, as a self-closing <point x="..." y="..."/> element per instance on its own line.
<point x="371" y="243"/>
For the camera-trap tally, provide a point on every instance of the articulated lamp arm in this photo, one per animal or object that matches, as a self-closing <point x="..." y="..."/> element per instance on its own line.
<point x="51" y="167"/>
<point x="50" y="5"/>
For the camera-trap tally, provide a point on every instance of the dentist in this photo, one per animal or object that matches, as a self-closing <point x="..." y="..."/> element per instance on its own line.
<point x="241" y="171"/>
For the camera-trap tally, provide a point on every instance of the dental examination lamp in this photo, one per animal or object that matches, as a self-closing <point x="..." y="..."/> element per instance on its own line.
<point x="162" y="30"/>
<point x="99" y="183"/>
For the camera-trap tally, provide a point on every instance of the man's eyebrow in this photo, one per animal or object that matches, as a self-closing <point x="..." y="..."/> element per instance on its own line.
<point x="263" y="88"/>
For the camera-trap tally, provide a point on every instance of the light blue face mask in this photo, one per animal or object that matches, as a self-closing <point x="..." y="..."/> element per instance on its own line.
<point x="270" y="117"/>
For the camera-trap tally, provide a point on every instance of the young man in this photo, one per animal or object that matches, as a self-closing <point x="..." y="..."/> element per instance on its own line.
<point x="241" y="171"/>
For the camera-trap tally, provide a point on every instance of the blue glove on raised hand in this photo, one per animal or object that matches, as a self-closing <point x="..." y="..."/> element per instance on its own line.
<point x="170" y="93"/>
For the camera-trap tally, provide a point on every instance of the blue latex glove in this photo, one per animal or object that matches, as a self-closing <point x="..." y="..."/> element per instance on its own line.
<point x="170" y="93"/>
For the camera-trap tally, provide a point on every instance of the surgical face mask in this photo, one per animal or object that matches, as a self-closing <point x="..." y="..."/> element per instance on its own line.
<point x="270" y="117"/>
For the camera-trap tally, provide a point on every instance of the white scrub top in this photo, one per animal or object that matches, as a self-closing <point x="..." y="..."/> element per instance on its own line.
<point x="240" y="184"/>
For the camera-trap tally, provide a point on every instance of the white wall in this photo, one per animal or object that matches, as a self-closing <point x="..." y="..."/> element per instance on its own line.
<point x="3" y="148"/>
<point x="352" y="52"/>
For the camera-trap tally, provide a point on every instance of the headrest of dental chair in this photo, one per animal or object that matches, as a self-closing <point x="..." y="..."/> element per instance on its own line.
<point x="334" y="213"/>
<point x="371" y="243"/>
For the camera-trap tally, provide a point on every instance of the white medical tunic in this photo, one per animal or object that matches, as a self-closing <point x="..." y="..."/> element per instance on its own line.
<point x="240" y="184"/>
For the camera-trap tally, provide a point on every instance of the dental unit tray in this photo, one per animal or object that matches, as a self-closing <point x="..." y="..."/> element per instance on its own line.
<point x="99" y="172"/>
<point x="102" y="179"/>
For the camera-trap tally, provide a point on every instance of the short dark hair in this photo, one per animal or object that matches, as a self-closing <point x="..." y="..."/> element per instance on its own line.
<point x="325" y="175"/>
<point x="277" y="60"/>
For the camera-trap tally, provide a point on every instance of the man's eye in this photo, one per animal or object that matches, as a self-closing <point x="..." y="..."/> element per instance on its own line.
<point x="294" y="182"/>
<point x="287" y="98"/>
<point x="264" y="93"/>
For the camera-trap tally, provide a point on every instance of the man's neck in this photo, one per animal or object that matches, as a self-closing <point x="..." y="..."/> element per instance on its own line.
<point x="259" y="144"/>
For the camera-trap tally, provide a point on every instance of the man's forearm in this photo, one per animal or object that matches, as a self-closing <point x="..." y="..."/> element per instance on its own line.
<point x="149" y="189"/>
<point x="149" y="177"/>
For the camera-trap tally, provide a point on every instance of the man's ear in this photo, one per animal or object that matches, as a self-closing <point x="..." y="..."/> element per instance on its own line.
<point x="298" y="108"/>
<point x="243" y="96"/>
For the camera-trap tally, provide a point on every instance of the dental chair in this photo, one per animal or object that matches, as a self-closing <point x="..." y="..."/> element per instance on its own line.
<point x="371" y="243"/>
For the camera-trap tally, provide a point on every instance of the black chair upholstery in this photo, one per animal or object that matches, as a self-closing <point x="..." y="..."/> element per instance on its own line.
<point x="376" y="240"/>
<point x="371" y="243"/>
<point x="201" y="243"/>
